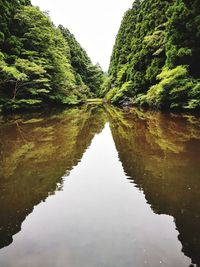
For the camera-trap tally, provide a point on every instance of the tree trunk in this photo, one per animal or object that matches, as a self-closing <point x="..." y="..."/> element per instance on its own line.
<point x="15" y="91"/>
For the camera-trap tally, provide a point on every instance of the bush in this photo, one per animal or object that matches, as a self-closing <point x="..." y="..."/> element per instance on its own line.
<point x="122" y="92"/>
<point x="171" y="91"/>
<point x="111" y="94"/>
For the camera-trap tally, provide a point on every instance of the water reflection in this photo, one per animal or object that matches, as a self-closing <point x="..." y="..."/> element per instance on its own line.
<point x="160" y="154"/>
<point x="35" y="153"/>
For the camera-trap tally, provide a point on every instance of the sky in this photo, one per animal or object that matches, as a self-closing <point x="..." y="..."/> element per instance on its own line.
<point x="94" y="23"/>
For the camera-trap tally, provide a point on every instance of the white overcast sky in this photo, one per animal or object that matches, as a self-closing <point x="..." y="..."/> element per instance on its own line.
<point x="94" y="23"/>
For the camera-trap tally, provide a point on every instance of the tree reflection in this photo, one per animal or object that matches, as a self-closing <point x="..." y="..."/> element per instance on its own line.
<point x="35" y="153"/>
<point x="160" y="155"/>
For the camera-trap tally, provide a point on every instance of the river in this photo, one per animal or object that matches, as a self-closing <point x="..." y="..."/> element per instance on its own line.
<point x="97" y="186"/>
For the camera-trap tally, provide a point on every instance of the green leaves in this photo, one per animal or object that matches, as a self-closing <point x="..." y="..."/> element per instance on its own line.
<point x="28" y="67"/>
<point x="156" y="41"/>
<point x="39" y="65"/>
<point x="174" y="90"/>
<point x="86" y="74"/>
<point x="13" y="73"/>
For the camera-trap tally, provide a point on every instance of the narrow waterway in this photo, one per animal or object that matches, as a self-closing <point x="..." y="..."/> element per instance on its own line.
<point x="100" y="187"/>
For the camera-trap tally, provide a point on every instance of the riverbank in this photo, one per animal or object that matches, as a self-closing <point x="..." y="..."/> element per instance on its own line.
<point x="14" y="108"/>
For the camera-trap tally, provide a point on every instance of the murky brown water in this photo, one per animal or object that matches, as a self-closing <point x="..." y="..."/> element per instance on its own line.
<point x="100" y="187"/>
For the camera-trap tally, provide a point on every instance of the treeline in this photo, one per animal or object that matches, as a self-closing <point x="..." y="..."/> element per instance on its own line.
<point x="41" y="65"/>
<point x="155" y="60"/>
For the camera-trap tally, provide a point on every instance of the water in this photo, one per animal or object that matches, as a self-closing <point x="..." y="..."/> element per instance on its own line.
<point x="100" y="187"/>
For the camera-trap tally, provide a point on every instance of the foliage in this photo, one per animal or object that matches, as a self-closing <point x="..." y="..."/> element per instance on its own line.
<point x="87" y="75"/>
<point x="38" y="64"/>
<point x="174" y="91"/>
<point x="156" y="41"/>
<point x="106" y="86"/>
<point x="112" y="92"/>
<point x="122" y="92"/>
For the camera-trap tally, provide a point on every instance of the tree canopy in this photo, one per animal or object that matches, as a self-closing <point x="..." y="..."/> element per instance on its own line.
<point x="156" y="55"/>
<point x="40" y="64"/>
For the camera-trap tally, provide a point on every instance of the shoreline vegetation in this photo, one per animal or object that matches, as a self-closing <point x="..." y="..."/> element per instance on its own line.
<point x="155" y="59"/>
<point x="40" y="64"/>
<point x="154" y="63"/>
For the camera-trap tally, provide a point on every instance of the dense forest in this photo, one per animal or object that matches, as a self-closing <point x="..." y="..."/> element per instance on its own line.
<point x="41" y="65"/>
<point x="155" y="60"/>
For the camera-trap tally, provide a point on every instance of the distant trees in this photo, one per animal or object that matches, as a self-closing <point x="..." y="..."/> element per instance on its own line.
<point x="157" y="50"/>
<point x="86" y="73"/>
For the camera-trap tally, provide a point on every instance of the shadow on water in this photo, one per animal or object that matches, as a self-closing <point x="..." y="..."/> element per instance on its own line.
<point x="35" y="153"/>
<point x="160" y="154"/>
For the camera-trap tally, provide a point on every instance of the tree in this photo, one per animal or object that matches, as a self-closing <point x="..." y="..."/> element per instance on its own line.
<point x="156" y="37"/>
<point x="37" y="63"/>
<point x="86" y="73"/>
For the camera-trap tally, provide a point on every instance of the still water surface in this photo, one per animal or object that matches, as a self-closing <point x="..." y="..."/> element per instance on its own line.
<point x="100" y="187"/>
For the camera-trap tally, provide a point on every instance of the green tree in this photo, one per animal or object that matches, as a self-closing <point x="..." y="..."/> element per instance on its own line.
<point x="86" y="73"/>
<point x="38" y="64"/>
<point x="158" y="37"/>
